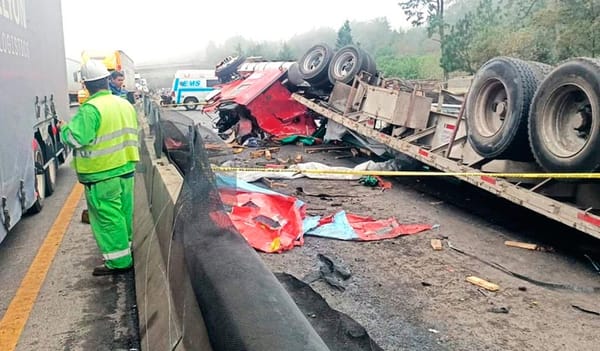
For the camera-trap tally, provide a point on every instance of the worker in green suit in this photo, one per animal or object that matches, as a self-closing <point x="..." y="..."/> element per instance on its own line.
<point x="104" y="137"/>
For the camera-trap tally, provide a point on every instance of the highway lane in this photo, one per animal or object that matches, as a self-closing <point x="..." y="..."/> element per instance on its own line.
<point x="73" y="309"/>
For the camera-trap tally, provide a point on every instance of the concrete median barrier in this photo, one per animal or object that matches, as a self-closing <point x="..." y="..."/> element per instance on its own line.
<point x="170" y="318"/>
<point x="244" y="306"/>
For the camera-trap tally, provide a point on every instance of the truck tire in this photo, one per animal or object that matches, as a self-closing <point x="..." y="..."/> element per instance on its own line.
<point x="314" y="64"/>
<point x="190" y="103"/>
<point x="40" y="182"/>
<point x="497" y="107"/>
<point x="50" y="171"/>
<point x="347" y="63"/>
<point x="293" y="75"/>
<point x="564" y="122"/>
<point x="371" y="65"/>
<point x="228" y="67"/>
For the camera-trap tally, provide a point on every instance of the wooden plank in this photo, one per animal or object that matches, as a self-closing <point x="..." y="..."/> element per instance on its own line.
<point x="436" y="244"/>
<point x="482" y="283"/>
<point x="521" y="245"/>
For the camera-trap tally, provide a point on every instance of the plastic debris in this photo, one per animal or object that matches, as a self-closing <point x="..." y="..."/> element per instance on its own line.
<point x="343" y="226"/>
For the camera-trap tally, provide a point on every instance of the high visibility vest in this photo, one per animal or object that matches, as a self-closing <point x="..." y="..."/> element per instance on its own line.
<point x="116" y="142"/>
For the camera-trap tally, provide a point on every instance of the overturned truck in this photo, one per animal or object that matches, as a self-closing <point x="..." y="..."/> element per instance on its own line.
<point x="526" y="132"/>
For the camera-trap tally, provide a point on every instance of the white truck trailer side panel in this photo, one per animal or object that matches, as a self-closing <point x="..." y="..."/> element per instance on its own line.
<point x="32" y="64"/>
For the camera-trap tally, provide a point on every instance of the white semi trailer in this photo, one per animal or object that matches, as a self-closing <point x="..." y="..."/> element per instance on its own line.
<point x="33" y="95"/>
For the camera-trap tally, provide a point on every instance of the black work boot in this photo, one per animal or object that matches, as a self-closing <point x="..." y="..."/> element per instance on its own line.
<point x="85" y="217"/>
<point x="103" y="270"/>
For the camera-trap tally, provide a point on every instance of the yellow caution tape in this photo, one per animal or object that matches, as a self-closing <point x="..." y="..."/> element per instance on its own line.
<point x="411" y="173"/>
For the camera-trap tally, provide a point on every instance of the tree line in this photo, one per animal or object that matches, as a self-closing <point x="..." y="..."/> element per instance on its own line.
<point x="449" y="37"/>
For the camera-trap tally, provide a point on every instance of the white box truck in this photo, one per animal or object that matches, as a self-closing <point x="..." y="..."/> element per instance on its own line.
<point x="73" y="79"/>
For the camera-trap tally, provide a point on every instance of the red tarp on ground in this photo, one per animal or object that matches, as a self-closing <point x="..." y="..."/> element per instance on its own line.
<point x="346" y="226"/>
<point x="270" y="223"/>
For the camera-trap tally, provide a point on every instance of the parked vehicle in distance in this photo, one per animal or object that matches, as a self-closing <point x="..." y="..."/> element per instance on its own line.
<point x="190" y="87"/>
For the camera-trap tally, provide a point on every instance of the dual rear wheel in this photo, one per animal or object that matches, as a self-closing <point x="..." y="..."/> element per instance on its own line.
<point x="525" y="111"/>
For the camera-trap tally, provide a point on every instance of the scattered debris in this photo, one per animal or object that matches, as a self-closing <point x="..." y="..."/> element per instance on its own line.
<point x="499" y="309"/>
<point x="594" y="263"/>
<point x="483" y="283"/>
<point x="299" y="139"/>
<point x="331" y="271"/>
<point x="313" y="150"/>
<point x="312" y="170"/>
<point x="343" y="226"/>
<point x="273" y="222"/>
<point x="272" y="184"/>
<point x="375" y="181"/>
<point x="264" y="152"/>
<point x="338" y="330"/>
<point x="526" y="278"/>
<point x="368" y="181"/>
<point x="526" y="246"/>
<point x="343" y="157"/>
<point x="300" y="191"/>
<point x="586" y="310"/>
<point x="436" y="245"/>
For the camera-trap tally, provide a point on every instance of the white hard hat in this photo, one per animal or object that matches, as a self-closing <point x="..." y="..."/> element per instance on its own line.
<point x="93" y="70"/>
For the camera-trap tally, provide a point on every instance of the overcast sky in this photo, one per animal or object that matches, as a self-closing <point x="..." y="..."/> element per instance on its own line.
<point x="151" y="30"/>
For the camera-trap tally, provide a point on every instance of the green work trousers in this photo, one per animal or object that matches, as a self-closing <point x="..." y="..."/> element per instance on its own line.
<point x="110" y="207"/>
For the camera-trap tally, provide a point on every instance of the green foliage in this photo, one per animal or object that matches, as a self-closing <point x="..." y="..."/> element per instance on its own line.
<point x="430" y="12"/>
<point x="408" y="67"/>
<point x="458" y="52"/>
<point x="344" y="36"/>
<point x="285" y="53"/>
<point x="539" y="30"/>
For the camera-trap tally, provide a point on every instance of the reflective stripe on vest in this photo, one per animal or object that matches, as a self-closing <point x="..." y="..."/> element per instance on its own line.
<point x="117" y="254"/>
<point x="72" y="140"/>
<point x="116" y="142"/>
<point x="110" y="150"/>
<point x="113" y="135"/>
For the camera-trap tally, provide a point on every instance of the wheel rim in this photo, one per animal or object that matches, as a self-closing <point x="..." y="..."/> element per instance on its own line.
<point x="491" y="108"/>
<point x="314" y="60"/>
<point x="344" y="65"/>
<point x="566" y="120"/>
